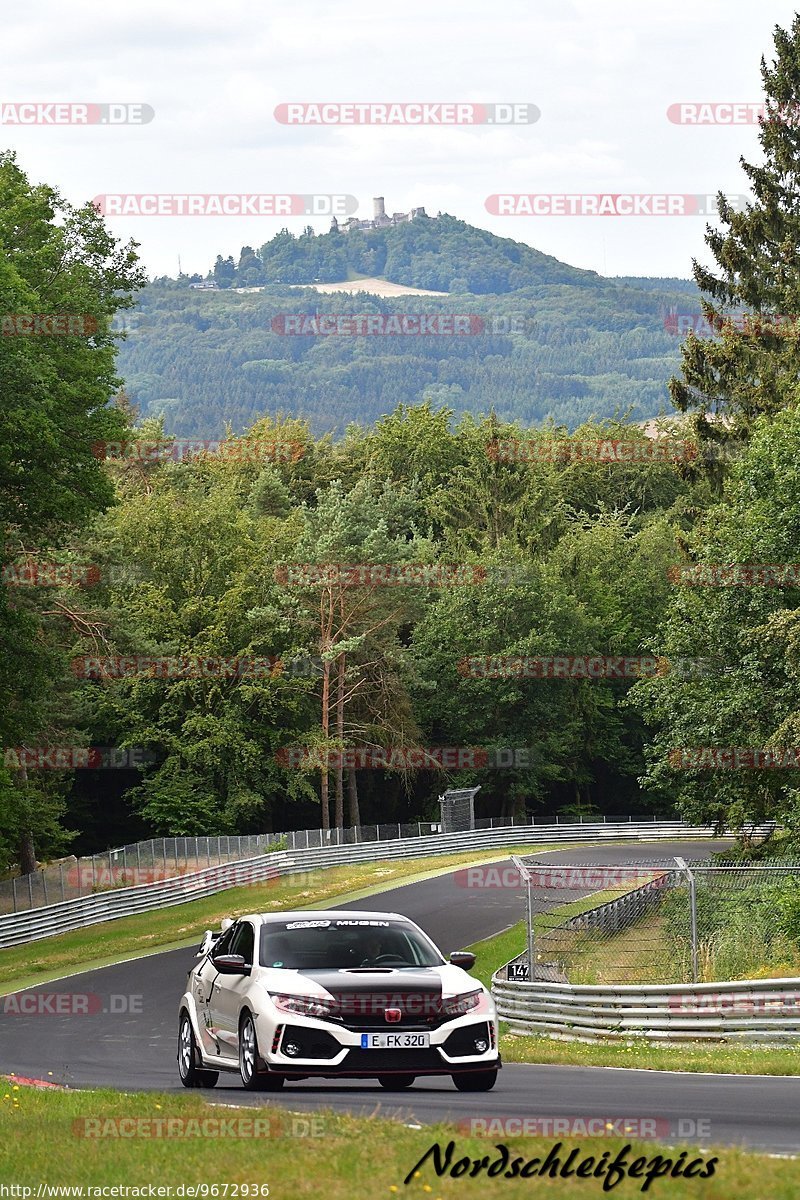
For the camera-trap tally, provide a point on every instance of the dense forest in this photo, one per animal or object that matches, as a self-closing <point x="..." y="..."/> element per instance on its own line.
<point x="295" y="629"/>
<point x="565" y="350"/>
<point x="442" y="254"/>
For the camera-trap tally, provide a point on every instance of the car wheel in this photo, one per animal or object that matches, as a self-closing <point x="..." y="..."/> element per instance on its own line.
<point x="248" y="1060"/>
<point x="396" y="1083"/>
<point x="475" y="1081"/>
<point x="188" y="1055"/>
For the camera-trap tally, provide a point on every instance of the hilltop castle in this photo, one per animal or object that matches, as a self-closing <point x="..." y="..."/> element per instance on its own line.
<point x="380" y="218"/>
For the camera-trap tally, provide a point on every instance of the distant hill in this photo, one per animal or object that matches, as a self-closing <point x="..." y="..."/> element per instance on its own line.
<point x="441" y="253"/>
<point x="547" y="340"/>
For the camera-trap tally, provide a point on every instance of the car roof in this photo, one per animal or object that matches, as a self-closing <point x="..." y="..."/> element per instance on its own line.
<point x="326" y="914"/>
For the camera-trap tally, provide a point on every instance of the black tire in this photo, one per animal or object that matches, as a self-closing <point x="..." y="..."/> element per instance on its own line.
<point x="248" y="1060"/>
<point x="396" y="1083"/>
<point x="475" y="1081"/>
<point x="192" y="1075"/>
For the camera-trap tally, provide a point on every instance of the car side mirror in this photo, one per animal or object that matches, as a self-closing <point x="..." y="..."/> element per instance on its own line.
<point x="463" y="958"/>
<point x="230" y="964"/>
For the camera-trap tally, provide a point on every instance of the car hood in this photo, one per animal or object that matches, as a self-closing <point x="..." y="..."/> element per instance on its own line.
<point x="444" y="981"/>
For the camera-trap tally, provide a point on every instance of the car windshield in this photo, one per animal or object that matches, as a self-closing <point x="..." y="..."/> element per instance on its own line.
<point x="319" y="945"/>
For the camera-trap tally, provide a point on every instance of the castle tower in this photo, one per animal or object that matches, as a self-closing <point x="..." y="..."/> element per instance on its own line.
<point x="378" y="209"/>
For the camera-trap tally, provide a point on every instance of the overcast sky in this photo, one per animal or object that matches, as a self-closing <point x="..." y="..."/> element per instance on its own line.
<point x="602" y="74"/>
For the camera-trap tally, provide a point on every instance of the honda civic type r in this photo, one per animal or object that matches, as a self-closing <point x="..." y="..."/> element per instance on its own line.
<point x="332" y="995"/>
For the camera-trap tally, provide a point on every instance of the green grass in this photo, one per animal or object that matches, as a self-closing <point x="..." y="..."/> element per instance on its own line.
<point x="692" y="1057"/>
<point x="183" y="924"/>
<point x="318" y="1154"/>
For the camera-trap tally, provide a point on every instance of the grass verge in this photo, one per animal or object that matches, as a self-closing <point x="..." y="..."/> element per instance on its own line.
<point x="43" y="1141"/>
<point x="183" y="924"/>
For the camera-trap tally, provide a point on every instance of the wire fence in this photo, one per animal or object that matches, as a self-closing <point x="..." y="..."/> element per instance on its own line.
<point x="166" y="858"/>
<point x="659" y="922"/>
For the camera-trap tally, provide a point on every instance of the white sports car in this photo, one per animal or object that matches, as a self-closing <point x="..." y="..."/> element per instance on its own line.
<point x="331" y="994"/>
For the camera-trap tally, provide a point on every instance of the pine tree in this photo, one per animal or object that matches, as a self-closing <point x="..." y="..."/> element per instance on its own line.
<point x="752" y="366"/>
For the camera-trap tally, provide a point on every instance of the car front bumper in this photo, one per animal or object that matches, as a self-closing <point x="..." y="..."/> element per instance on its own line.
<point x="305" y="1046"/>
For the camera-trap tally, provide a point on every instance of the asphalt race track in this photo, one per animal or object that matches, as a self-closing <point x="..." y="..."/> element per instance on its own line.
<point x="122" y="1034"/>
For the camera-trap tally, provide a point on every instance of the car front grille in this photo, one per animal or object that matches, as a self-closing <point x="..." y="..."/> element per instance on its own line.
<point x="405" y="1062"/>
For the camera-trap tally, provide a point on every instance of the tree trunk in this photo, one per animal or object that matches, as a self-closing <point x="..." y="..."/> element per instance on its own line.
<point x="27" y="853"/>
<point x="339" y="810"/>
<point x="323" y="783"/>
<point x="27" y="850"/>
<point x="326" y="626"/>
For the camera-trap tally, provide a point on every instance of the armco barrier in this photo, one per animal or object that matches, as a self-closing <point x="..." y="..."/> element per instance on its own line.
<point x="17" y="928"/>
<point x="761" y="1011"/>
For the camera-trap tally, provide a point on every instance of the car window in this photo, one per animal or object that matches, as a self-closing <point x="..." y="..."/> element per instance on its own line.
<point x="243" y="942"/>
<point x="223" y="944"/>
<point x="336" y="945"/>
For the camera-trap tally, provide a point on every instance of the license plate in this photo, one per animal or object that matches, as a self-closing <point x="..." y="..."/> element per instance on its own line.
<point x="395" y="1041"/>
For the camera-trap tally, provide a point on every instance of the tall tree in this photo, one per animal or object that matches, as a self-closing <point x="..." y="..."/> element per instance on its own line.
<point x="55" y="261"/>
<point x="729" y="380"/>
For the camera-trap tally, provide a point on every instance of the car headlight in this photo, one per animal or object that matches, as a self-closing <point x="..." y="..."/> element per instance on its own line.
<point x="304" y="1006"/>
<point x="457" y="1006"/>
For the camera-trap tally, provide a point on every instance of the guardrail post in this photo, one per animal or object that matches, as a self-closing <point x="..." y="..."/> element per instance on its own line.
<point x="14" y="891"/>
<point x="30" y="889"/>
<point x="61" y="873"/>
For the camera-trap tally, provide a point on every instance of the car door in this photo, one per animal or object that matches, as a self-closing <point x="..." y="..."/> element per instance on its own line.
<point x="230" y="990"/>
<point x="204" y="987"/>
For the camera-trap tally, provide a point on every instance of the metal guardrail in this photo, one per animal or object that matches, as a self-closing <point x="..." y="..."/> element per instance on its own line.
<point x="761" y="1011"/>
<point x="157" y="859"/>
<point x="18" y="928"/>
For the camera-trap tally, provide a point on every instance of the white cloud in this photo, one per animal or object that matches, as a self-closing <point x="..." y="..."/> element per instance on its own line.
<point x="603" y="76"/>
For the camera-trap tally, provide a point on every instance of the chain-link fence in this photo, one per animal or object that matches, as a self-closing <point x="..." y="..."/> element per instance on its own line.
<point x="457" y="807"/>
<point x="128" y="866"/>
<point x="164" y="858"/>
<point x="659" y="921"/>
